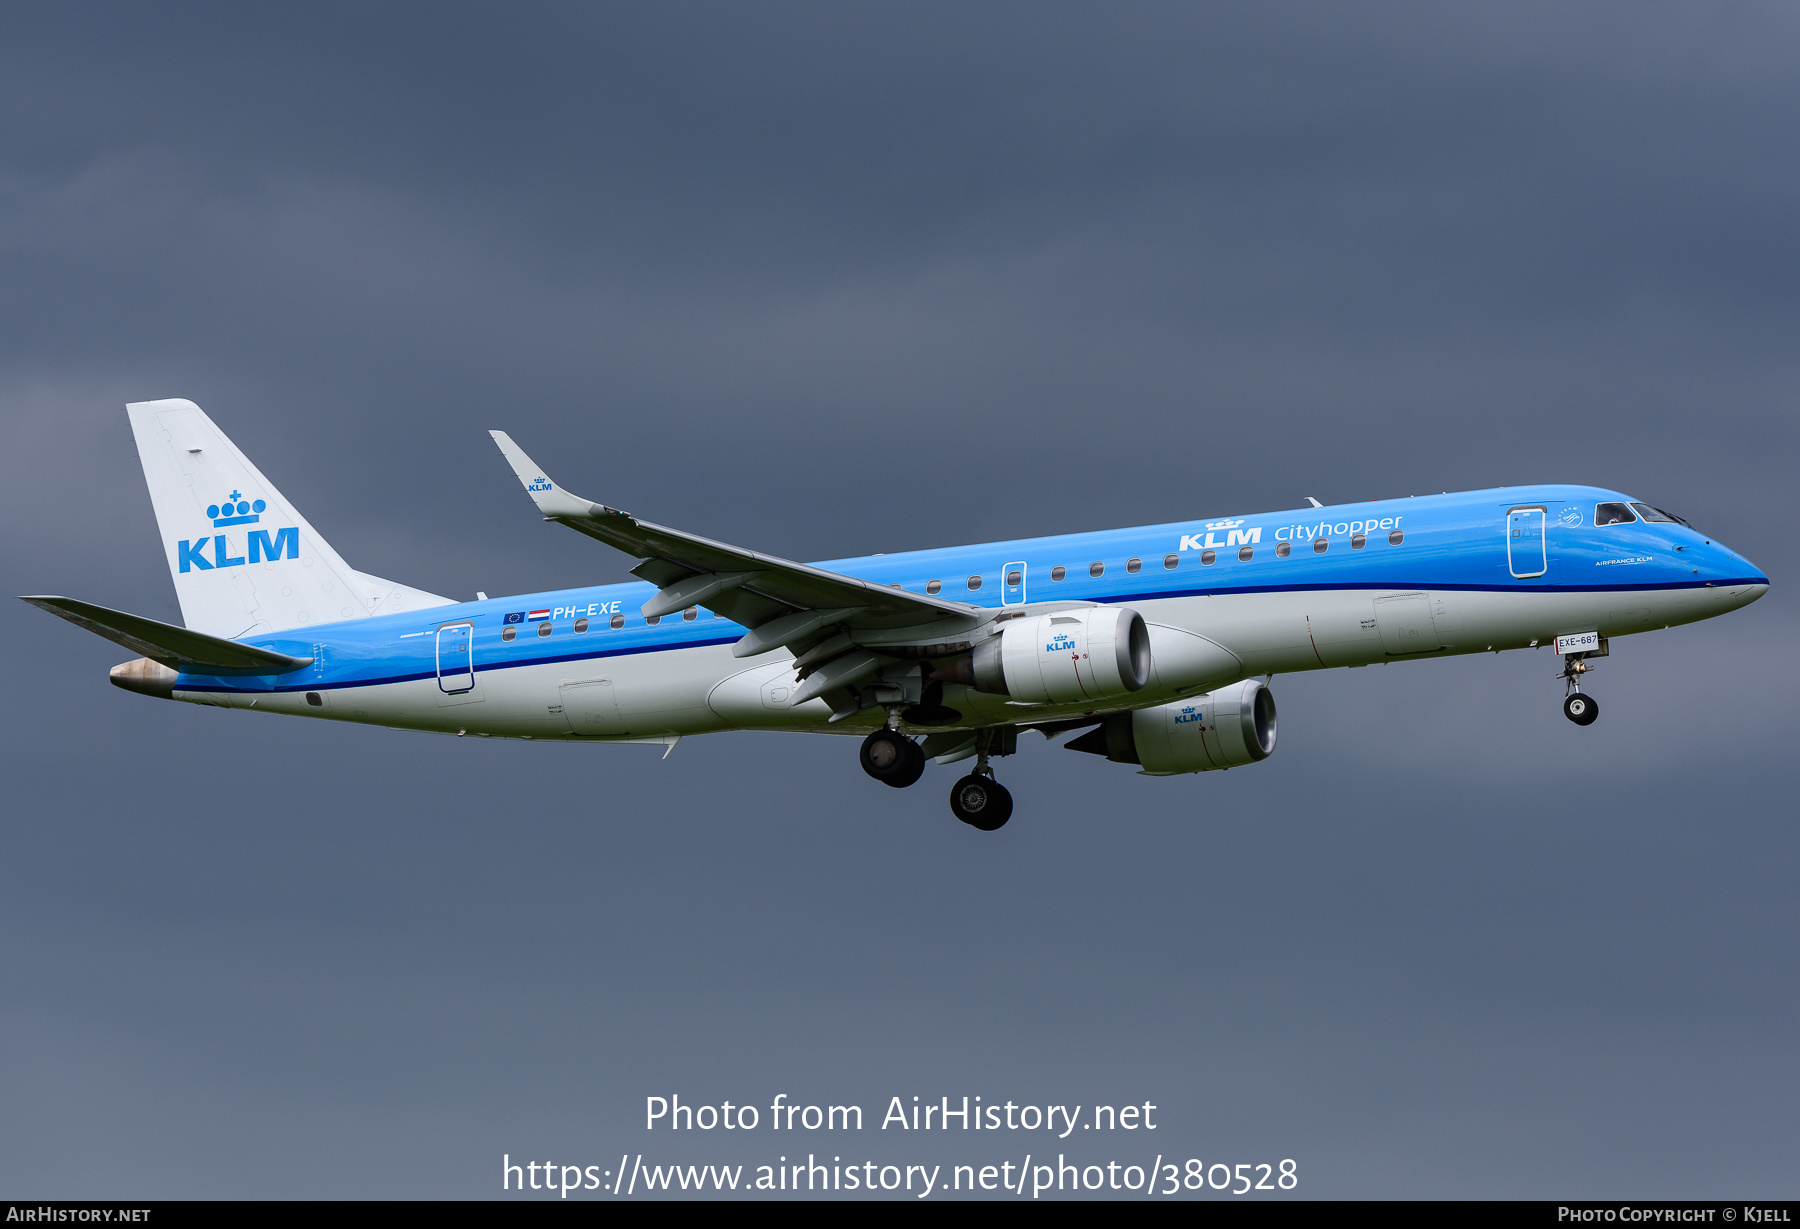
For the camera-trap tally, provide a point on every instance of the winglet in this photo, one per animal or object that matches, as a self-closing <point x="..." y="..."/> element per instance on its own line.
<point x="551" y="499"/>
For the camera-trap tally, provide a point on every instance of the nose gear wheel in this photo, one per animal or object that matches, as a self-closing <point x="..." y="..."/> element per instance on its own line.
<point x="1580" y="708"/>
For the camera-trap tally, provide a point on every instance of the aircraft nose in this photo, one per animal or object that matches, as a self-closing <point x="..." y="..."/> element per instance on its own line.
<point x="1742" y="581"/>
<point x="1743" y="595"/>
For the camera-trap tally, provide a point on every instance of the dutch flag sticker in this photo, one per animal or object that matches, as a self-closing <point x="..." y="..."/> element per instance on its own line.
<point x="535" y="615"/>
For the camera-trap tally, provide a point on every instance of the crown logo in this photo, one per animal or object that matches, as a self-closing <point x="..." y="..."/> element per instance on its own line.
<point x="236" y="510"/>
<point x="1223" y="524"/>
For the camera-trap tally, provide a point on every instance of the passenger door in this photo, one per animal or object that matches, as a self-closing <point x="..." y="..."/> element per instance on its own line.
<point x="455" y="658"/>
<point x="457" y="681"/>
<point x="1525" y="541"/>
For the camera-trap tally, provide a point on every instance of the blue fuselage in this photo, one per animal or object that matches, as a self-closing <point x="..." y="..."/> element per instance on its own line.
<point x="1525" y="542"/>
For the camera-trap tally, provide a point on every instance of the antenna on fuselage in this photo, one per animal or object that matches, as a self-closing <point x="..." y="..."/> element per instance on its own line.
<point x="1315" y="503"/>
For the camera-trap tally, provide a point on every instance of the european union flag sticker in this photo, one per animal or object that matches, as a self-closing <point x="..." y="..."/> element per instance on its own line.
<point x="518" y="616"/>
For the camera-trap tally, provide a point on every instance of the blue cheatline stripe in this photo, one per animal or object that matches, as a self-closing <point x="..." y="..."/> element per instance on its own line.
<point x="480" y="668"/>
<point x="1147" y="595"/>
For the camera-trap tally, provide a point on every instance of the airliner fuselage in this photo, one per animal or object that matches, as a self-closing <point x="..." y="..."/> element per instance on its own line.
<point x="1159" y="641"/>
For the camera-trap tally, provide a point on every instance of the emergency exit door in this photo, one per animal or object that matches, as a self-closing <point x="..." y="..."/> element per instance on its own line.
<point x="1012" y="584"/>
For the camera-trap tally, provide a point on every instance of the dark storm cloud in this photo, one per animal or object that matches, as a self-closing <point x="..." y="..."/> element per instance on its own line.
<point x="831" y="279"/>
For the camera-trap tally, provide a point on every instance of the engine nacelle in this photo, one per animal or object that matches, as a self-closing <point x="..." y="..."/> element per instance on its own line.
<point x="1064" y="657"/>
<point x="1226" y="728"/>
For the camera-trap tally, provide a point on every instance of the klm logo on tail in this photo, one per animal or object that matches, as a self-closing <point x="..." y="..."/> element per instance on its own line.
<point x="240" y="513"/>
<point x="236" y="510"/>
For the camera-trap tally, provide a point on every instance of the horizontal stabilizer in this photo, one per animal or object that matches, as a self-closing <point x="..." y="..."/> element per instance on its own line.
<point x="178" y="648"/>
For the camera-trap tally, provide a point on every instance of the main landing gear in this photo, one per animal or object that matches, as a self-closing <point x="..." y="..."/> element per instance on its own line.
<point x="978" y="800"/>
<point x="1578" y="706"/>
<point x="892" y="758"/>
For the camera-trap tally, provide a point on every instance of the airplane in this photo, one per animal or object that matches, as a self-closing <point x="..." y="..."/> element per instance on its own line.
<point x="1159" y="643"/>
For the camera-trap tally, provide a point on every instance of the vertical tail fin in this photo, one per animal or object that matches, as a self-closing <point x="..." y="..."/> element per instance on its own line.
<point x="243" y="559"/>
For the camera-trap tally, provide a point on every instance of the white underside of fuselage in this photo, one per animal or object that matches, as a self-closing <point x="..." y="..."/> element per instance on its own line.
<point x="1198" y="643"/>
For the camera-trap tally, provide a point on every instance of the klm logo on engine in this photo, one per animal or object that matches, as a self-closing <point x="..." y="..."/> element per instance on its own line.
<point x="1234" y="536"/>
<point x="1062" y="642"/>
<point x="1189" y="714"/>
<point x="260" y="547"/>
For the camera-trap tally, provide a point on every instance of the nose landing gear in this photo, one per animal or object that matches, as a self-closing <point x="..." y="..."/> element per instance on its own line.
<point x="1578" y="707"/>
<point x="1581" y="709"/>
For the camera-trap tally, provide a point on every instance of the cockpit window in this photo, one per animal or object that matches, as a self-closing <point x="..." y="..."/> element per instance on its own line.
<point x="1656" y="514"/>
<point x="1612" y="514"/>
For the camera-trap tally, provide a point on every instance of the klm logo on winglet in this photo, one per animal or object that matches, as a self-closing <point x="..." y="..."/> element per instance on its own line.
<point x="540" y="483"/>
<point x="236" y="510"/>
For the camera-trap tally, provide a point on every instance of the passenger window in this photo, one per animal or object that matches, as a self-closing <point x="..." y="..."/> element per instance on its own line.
<point x="1283" y="550"/>
<point x="618" y="621"/>
<point x="934" y="586"/>
<point x="1612" y="514"/>
<point x="1058" y="573"/>
<point x="690" y="614"/>
<point x="1171" y="561"/>
<point x="1134" y="566"/>
<point x="1246" y="553"/>
<point x="974" y="582"/>
<point x="508" y="632"/>
<point x="653" y="620"/>
<point x="581" y="625"/>
<point x="544" y="628"/>
<point x="1015" y="578"/>
<point x="1395" y="538"/>
<point x="1207" y="557"/>
<point x="1096" y="569"/>
<point x="1319" y="545"/>
<point x="1656" y="514"/>
<point x="1358" y="541"/>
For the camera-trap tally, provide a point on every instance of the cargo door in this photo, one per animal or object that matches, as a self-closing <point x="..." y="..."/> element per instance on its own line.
<point x="1405" y="623"/>
<point x="591" y="706"/>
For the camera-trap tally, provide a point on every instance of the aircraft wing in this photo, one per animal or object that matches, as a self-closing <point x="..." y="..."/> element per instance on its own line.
<point x="179" y="648"/>
<point x="783" y="602"/>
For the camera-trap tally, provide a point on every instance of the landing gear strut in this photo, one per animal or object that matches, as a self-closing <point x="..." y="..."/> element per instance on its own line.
<point x="979" y="800"/>
<point x="1578" y="707"/>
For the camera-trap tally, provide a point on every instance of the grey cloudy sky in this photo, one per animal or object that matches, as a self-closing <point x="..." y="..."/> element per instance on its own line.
<point x="831" y="279"/>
